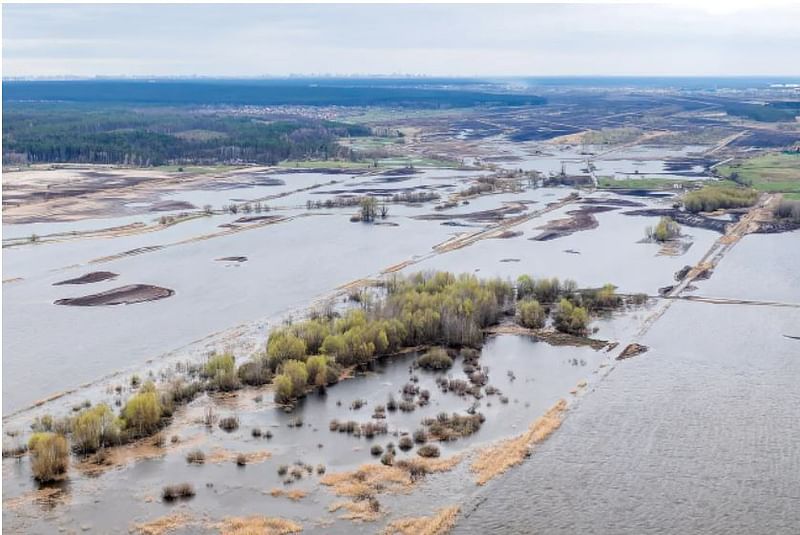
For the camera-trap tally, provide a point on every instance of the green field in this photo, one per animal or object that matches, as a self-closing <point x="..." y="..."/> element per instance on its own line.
<point x="641" y="183"/>
<point x="196" y="169"/>
<point x="774" y="172"/>
<point x="326" y="164"/>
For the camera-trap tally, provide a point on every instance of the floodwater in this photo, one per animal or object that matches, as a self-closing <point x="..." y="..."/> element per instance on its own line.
<point x="695" y="435"/>
<point x="115" y="500"/>
<point x="698" y="435"/>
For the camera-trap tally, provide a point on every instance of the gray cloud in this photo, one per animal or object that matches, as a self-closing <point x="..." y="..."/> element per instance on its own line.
<point x="444" y="39"/>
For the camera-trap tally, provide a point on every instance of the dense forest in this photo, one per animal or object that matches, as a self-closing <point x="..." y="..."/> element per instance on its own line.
<point x="155" y="136"/>
<point x="259" y="93"/>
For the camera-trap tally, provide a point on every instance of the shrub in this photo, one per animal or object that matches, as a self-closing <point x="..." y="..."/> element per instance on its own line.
<point x="531" y="314"/>
<point x="387" y="458"/>
<point x="254" y="373"/>
<point x="224" y="363"/>
<point x="296" y="371"/>
<point x="570" y="319"/>
<point x="196" y="457"/>
<point x="95" y="428"/>
<point x="376" y="449"/>
<point x="405" y="443"/>
<point x="174" y="492"/>
<point x="714" y="197"/>
<point x="49" y="456"/>
<point x="665" y="230"/>
<point x="142" y="412"/>
<point x="284" y="392"/>
<point x="428" y="450"/>
<point x="420" y="436"/>
<point x="220" y="370"/>
<point x="452" y="426"/>
<point x="370" y="429"/>
<point x="787" y="209"/>
<point x="435" y="359"/>
<point x="282" y="346"/>
<point x="283" y="470"/>
<point x="229" y="423"/>
<point x="317" y="368"/>
<point x="241" y="459"/>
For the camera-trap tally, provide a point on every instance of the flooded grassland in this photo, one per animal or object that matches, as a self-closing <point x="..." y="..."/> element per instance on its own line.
<point x="290" y="247"/>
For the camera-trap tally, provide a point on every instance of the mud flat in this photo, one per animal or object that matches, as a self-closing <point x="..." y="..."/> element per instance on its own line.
<point x="684" y="218"/>
<point x="89" y="278"/>
<point x="125" y="295"/>
<point x="581" y="219"/>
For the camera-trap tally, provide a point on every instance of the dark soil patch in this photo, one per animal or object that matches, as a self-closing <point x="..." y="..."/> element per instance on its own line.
<point x="495" y="214"/>
<point x="582" y="219"/>
<point x="254" y="218"/>
<point x="506" y="234"/>
<point x="124" y="295"/>
<point x="631" y="351"/>
<point x="172" y="206"/>
<point x="94" y="276"/>
<point x="611" y="202"/>
<point x="684" y="218"/>
<point x="776" y="227"/>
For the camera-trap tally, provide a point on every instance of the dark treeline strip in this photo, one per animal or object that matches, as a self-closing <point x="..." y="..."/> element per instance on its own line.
<point x="156" y="136"/>
<point x="257" y="93"/>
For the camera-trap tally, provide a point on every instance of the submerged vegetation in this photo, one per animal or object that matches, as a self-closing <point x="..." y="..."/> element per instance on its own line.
<point x="438" y="312"/>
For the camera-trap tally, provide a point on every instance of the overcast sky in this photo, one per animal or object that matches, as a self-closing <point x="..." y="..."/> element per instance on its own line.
<point x="450" y="40"/>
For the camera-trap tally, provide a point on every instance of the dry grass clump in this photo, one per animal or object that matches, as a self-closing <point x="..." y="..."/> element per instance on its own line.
<point x="261" y="525"/>
<point x="366" y="510"/>
<point x="175" y="492"/>
<point x="438" y="524"/>
<point x="428" y="450"/>
<point x="162" y="525"/>
<point x="405" y="443"/>
<point x="495" y="460"/>
<point x="229" y="423"/>
<point x="221" y="455"/>
<point x="372" y="479"/>
<point x="294" y="494"/>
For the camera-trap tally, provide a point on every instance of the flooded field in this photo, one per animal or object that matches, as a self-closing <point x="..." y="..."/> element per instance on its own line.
<point x="699" y="425"/>
<point x="666" y="391"/>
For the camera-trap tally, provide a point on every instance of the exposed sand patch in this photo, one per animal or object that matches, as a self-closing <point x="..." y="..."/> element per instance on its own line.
<point x="258" y="525"/>
<point x="495" y="460"/>
<point x="438" y="524"/>
<point x="47" y="496"/>
<point x="294" y="494"/>
<point x="146" y="448"/>
<point x="221" y="455"/>
<point x="369" y="480"/>
<point x="367" y="510"/>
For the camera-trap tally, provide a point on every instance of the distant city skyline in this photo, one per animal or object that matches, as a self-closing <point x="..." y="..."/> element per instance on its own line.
<point x="252" y="40"/>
